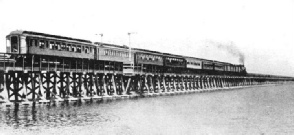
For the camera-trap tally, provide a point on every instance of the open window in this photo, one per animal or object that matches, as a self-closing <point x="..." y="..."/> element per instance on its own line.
<point x="73" y="48"/>
<point x="87" y="50"/>
<point x="58" y="46"/>
<point x="63" y="46"/>
<point x="51" y="45"/>
<point x="79" y="49"/>
<point x="14" y="44"/>
<point x="68" y="47"/>
<point x="42" y="44"/>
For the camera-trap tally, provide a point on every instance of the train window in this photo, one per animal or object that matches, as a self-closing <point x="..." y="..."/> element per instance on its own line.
<point x="58" y="46"/>
<point x="14" y="44"/>
<point x="51" y="45"/>
<point x="46" y="44"/>
<point x="55" y="46"/>
<point x="42" y="44"/>
<point x="28" y="41"/>
<point x="63" y="46"/>
<point x="73" y="48"/>
<point x="68" y="47"/>
<point x="86" y="49"/>
<point x="79" y="49"/>
<point x="32" y="43"/>
<point x="36" y="43"/>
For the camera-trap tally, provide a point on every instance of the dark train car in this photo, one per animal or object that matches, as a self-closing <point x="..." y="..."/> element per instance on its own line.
<point x="241" y="70"/>
<point x="148" y="57"/>
<point x="229" y="68"/>
<point x="208" y="65"/>
<point x="147" y="61"/>
<point x="174" y="63"/>
<point x="219" y="67"/>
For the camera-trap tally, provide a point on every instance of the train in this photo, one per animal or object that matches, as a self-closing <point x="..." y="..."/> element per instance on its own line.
<point x="34" y="51"/>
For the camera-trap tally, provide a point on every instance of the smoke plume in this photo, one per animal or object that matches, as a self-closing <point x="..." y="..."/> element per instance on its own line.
<point x="231" y="48"/>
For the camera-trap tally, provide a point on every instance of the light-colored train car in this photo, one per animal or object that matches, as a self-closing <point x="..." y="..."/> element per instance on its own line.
<point x="28" y="42"/>
<point x="194" y="63"/>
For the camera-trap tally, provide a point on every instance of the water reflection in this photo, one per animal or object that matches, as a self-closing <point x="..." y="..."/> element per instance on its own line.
<point x="61" y="114"/>
<point x="261" y="110"/>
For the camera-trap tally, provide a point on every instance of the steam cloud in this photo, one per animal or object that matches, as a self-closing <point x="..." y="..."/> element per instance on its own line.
<point x="230" y="48"/>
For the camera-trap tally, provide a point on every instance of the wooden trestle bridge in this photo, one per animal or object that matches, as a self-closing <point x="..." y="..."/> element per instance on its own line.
<point x="23" y="84"/>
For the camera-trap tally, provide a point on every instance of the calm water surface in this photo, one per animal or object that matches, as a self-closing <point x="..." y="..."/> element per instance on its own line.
<point x="258" y="110"/>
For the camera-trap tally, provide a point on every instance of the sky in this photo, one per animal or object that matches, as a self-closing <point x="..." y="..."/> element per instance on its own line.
<point x="260" y="30"/>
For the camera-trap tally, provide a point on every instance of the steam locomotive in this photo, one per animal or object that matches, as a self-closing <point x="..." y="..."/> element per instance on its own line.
<point x="34" y="51"/>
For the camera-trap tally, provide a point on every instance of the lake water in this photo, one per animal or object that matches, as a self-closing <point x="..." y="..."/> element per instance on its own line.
<point x="252" y="111"/>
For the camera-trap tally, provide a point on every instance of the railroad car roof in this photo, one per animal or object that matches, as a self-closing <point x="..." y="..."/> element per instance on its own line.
<point x="188" y="57"/>
<point x="111" y="45"/>
<point x="173" y="55"/>
<point x="219" y="62"/>
<point x="49" y="35"/>
<point x="125" y="47"/>
<point x="145" y="50"/>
